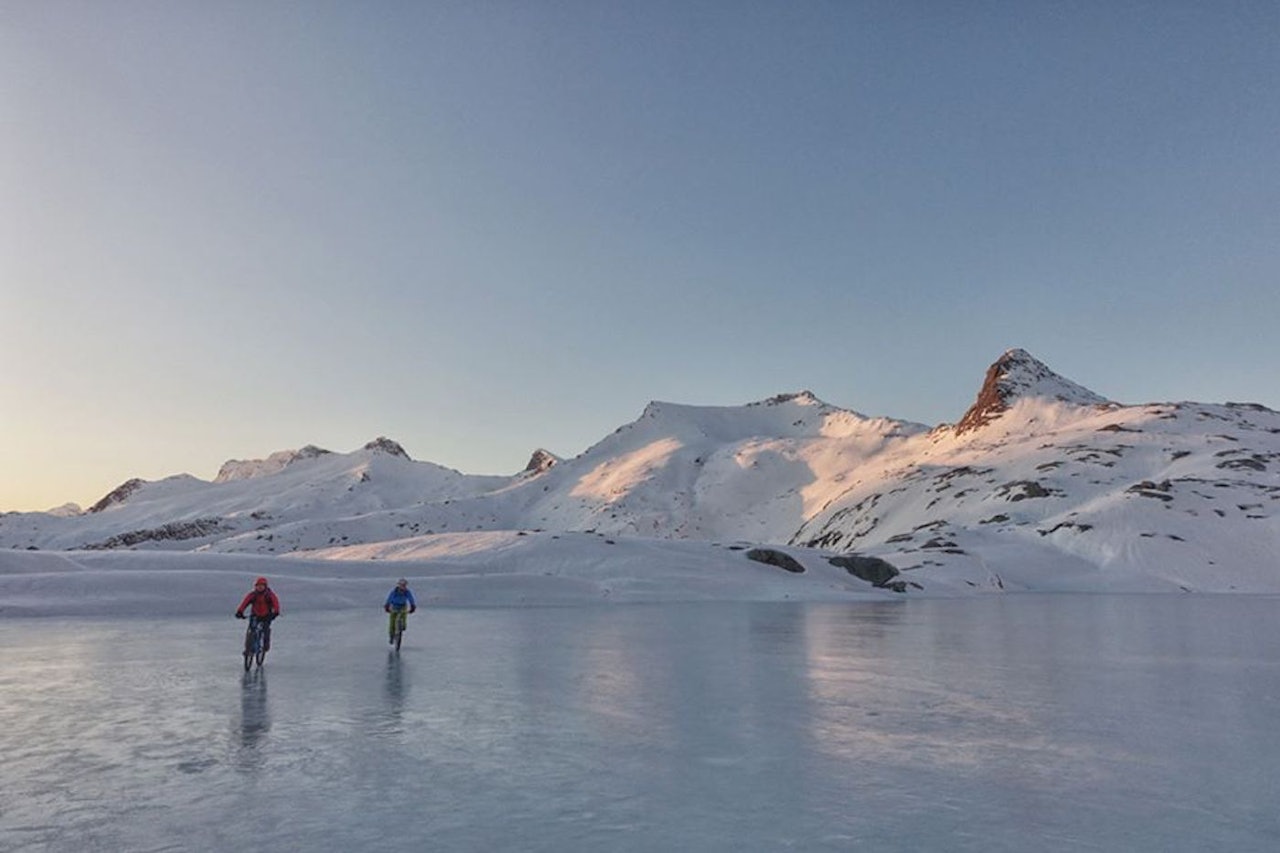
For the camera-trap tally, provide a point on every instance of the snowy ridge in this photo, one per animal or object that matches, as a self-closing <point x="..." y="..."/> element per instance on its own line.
<point x="1042" y="485"/>
<point x="236" y="469"/>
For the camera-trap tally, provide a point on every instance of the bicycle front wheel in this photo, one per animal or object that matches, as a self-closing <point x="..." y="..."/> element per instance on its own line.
<point x="252" y="646"/>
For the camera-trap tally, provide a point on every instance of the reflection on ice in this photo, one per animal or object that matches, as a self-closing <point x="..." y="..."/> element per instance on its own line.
<point x="255" y="714"/>
<point x="1053" y="723"/>
<point x="396" y="691"/>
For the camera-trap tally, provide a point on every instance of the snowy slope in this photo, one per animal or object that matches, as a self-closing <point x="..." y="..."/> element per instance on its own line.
<point x="1182" y="493"/>
<point x="1041" y="484"/>
<point x="742" y="472"/>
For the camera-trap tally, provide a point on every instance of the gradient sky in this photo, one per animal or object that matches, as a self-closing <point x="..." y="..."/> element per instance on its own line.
<point x="480" y="228"/>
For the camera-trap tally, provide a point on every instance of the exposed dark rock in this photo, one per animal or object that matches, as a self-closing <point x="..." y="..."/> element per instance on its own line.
<point x="1253" y="463"/>
<point x="1148" y="489"/>
<point x="805" y="397"/>
<point x="1066" y="525"/>
<point x="991" y="402"/>
<point x="174" y="531"/>
<point x="776" y="558"/>
<point x="382" y="444"/>
<point x="873" y="570"/>
<point x="118" y="494"/>
<point x="1015" y="374"/>
<point x="962" y="471"/>
<point x="1020" y="490"/>
<point x="830" y="539"/>
<point x="540" y="461"/>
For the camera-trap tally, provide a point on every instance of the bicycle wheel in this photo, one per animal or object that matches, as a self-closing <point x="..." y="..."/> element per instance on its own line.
<point x="399" y="636"/>
<point x="248" y="648"/>
<point x="260" y="641"/>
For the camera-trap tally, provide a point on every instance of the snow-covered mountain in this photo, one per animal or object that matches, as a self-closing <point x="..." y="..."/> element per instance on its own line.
<point x="1042" y="483"/>
<point x="247" y="500"/>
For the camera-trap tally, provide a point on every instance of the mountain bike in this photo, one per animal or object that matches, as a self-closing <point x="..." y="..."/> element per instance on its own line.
<point x="399" y="616"/>
<point x="255" y="640"/>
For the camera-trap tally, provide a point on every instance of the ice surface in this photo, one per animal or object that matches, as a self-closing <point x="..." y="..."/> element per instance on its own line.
<point x="1007" y="723"/>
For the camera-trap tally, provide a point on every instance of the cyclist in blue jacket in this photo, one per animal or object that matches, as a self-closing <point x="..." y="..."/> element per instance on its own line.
<point x="398" y="600"/>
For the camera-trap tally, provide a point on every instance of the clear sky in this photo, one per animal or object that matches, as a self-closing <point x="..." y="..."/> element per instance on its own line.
<point x="480" y="228"/>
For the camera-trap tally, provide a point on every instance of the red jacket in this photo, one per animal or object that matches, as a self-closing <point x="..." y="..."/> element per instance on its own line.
<point x="264" y="603"/>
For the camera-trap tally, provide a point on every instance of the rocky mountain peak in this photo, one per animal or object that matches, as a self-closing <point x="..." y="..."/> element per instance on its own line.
<point x="1018" y="375"/>
<point x="540" y="461"/>
<point x="801" y="398"/>
<point x="382" y="444"/>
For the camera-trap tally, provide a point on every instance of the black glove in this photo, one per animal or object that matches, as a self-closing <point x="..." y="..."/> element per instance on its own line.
<point x="239" y="615"/>
<point x="413" y="608"/>
<point x="386" y="607"/>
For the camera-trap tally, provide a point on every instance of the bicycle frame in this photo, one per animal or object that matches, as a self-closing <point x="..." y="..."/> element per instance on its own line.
<point x="396" y="624"/>
<point x="255" y="637"/>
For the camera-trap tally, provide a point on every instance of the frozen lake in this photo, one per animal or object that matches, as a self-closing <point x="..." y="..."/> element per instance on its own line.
<point x="1003" y="723"/>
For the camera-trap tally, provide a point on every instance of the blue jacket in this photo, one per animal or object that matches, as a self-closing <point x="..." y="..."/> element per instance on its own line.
<point x="399" y="598"/>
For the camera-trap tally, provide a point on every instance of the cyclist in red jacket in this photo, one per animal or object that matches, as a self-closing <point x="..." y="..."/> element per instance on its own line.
<point x="264" y="607"/>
